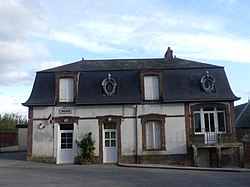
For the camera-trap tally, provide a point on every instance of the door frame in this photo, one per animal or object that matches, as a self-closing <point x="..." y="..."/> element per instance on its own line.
<point x="110" y="143"/>
<point x="211" y="131"/>
<point x="70" y="120"/>
<point x="109" y="119"/>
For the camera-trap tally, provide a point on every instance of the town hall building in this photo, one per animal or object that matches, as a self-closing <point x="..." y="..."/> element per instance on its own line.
<point x="159" y="111"/>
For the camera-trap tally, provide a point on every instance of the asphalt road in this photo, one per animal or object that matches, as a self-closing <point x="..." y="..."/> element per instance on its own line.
<point x="14" y="171"/>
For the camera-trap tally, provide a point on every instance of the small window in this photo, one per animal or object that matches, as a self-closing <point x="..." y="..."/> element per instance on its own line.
<point x="66" y="90"/>
<point x="197" y="122"/>
<point x="221" y="121"/>
<point x="151" y="88"/>
<point x="153" y="135"/>
<point x="67" y="140"/>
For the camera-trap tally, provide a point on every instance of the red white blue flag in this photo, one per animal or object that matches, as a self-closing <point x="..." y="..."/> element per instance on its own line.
<point x="41" y="126"/>
<point x="50" y="119"/>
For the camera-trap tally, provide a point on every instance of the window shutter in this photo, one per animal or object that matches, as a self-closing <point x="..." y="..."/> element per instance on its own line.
<point x="157" y="132"/>
<point x="151" y="88"/>
<point x="153" y="135"/>
<point x="149" y="135"/>
<point x="66" y="90"/>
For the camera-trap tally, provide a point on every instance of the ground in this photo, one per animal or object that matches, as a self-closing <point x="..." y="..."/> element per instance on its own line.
<point x="14" y="171"/>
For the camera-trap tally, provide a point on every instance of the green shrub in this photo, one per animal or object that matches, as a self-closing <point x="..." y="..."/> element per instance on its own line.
<point x="87" y="148"/>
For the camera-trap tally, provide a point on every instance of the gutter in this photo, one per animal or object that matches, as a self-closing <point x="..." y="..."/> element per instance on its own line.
<point x="136" y="136"/>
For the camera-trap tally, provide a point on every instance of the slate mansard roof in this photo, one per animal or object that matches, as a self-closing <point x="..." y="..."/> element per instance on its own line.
<point x="181" y="81"/>
<point x="242" y="115"/>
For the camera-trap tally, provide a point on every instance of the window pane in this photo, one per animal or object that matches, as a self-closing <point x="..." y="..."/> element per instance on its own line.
<point x="109" y="126"/>
<point x="63" y="135"/>
<point x="151" y="88"/>
<point x="112" y="134"/>
<point x="157" y="134"/>
<point x="67" y="140"/>
<point x="212" y="128"/>
<point x="66" y="127"/>
<point x="66" y="90"/>
<point x="197" y="122"/>
<point x="153" y="135"/>
<point x="206" y="122"/>
<point x="221" y="121"/>
<point x="208" y="109"/>
<point x="107" y="144"/>
<point x="113" y="143"/>
<point x="106" y="135"/>
<point x="70" y="146"/>
<point x="149" y="135"/>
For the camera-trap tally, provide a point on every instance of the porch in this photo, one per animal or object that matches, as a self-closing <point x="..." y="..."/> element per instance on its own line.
<point x="216" y="149"/>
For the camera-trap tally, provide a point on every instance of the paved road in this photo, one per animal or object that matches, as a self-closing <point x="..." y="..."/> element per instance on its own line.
<point x="14" y="171"/>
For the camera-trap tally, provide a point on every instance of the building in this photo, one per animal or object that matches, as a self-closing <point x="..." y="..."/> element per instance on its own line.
<point x="242" y="116"/>
<point x="163" y="110"/>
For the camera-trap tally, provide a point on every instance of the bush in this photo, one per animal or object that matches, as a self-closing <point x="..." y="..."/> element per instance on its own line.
<point x="87" y="148"/>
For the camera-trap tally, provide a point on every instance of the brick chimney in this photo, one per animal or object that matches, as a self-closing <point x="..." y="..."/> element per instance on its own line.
<point x="169" y="54"/>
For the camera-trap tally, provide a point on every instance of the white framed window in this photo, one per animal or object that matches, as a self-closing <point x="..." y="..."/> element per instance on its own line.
<point x="66" y="90"/>
<point x="209" y="119"/>
<point x="153" y="135"/>
<point x="151" y="88"/>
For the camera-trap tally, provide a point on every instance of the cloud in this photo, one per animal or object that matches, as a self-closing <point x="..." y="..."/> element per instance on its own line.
<point x="46" y="65"/>
<point x="11" y="104"/>
<point x="17" y="20"/>
<point x="78" y="40"/>
<point x="15" y="78"/>
<point x="135" y="32"/>
<point x="19" y="51"/>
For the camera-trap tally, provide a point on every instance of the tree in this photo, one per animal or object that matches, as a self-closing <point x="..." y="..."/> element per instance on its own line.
<point x="8" y="122"/>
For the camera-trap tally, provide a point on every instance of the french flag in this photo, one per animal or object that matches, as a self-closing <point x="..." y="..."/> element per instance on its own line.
<point x="50" y="119"/>
<point x="41" y="126"/>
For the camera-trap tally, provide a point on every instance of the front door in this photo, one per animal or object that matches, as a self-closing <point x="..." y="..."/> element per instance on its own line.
<point x="66" y="149"/>
<point x="110" y="143"/>
<point x="211" y="136"/>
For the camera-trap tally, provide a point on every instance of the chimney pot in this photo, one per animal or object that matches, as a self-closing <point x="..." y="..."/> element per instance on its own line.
<point x="169" y="54"/>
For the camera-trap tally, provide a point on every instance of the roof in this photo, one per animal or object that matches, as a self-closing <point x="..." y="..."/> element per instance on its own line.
<point x="43" y="92"/>
<point x="242" y="115"/>
<point x="181" y="81"/>
<point x="129" y="64"/>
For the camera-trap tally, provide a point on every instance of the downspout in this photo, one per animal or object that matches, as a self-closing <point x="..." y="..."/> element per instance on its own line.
<point x="136" y="137"/>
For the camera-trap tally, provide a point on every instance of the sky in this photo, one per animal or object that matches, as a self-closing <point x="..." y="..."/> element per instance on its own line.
<point x="40" y="34"/>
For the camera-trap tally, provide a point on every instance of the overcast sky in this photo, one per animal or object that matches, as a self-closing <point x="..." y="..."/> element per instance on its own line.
<point x="39" y="34"/>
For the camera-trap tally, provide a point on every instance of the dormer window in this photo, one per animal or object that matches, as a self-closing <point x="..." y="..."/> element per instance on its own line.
<point x="66" y="90"/>
<point x="151" y="88"/>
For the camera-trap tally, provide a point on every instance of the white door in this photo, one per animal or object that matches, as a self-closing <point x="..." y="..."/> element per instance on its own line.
<point x="211" y="130"/>
<point x="110" y="146"/>
<point x="66" y="149"/>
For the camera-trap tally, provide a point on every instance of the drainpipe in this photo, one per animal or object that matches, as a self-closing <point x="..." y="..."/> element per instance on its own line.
<point x="136" y="137"/>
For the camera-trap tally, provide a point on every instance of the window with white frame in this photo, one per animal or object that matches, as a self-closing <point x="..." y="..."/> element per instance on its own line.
<point x="151" y="88"/>
<point x="66" y="90"/>
<point x="153" y="135"/>
<point x="209" y="119"/>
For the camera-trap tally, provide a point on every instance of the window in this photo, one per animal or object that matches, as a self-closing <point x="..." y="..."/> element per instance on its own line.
<point x="151" y="88"/>
<point x="153" y="135"/>
<point x="66" y="90"/>
<point x="66" y="136"/>
<point x="67" y="140"/>
<point x="153" y="132"/>
<point x="210" y="119"/>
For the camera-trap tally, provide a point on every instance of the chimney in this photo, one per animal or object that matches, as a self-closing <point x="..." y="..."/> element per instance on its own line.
<point x="169" y="54"/>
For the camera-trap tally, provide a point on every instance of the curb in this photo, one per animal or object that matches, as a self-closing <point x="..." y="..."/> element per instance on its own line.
<point x="155" y="166"/>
